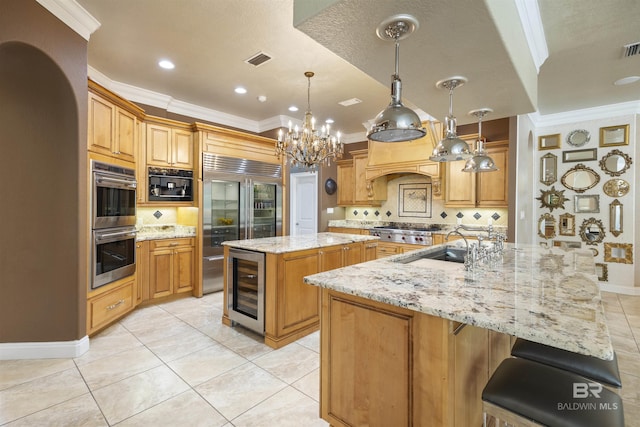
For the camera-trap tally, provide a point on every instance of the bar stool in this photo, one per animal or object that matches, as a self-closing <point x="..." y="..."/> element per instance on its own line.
<point x="526" y="393"/>
<point x="603" y="371"/>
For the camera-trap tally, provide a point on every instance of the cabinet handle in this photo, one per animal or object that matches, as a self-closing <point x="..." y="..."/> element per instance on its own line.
<point x="173" y="244"/>
<point x="112" y="306"/>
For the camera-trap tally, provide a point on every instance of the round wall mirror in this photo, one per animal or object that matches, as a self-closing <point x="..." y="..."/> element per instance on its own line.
<point x="592" y="231"/>
<point x="552" y="199"/>
<point x="547" y="226"/>
<point x="580" y="178"/>
<point x="616" y="187"/>
<point x="615" y="163"/>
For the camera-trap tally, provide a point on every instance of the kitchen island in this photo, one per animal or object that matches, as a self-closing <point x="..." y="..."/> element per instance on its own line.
<point x="412" y="341"/>
<point x="291" y="307"/>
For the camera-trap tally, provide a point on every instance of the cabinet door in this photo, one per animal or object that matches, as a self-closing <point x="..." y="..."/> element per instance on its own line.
<point x="370" y="251"/>
<point x="345" y="184"/>
<point x="330" y="258"/>
<point x="101" y="126"/>
<point x="385" y="250"/>
<point x="182" y="149"/>
<point x="361" y="193"/>
<point x="460" y="187"/>
<point x="471" y="373"/>
<point x="126" y="135"/>
<point x="142" y="271"/>
<point x="298" y="303"/>
<point x="183" y="274"/>
<point x="352" y="254"/>
<point x="158" y="145"/>
<point x="493" y="186"/>
<point x="160" y="273"/>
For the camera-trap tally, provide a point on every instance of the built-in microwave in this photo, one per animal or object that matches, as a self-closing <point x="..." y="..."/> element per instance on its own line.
<point x="113" y="255"/>
<point x="170" y="185"/>
<point x="113" y="195"/>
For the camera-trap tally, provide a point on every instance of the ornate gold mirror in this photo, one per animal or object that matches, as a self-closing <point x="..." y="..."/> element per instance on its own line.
<point x="552" y="199"/>
<point x="548" y="169"/>
<point x="618" y="252"/>
<point x="615" y="217"/>
<point x="547" y="226"/>
<point x="592" y="231"/>
<point x="589" y="203"/>
<point x="602" y="272"/>
<point x="616" y="187"/>
<point x="615" y="163"/>
<point x="580" y="178"/>
<point x="567" y="226"/>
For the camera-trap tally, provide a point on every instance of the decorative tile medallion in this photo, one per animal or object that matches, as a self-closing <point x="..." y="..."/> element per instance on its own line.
<point x="157" y="214"/>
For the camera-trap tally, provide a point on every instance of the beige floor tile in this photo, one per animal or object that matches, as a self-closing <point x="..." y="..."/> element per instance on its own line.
<point x="612" y="307"/>
<point x="622" y="343"/>
<point x="630" y="387"/>
<point x="290" y="363"/>
<point x="108" y="342"/>
<point x="111" y="369"/>
<point x="40" y="393"/>
<point x="240" y="389"/>
<point x="629" y="362"/>
<point x="161" y="327"/>
<point x="205" y="364"/>
<point x="14" y="372"/>
<point x="311" y="341"/>
<point x="248" y="345"/>
<point x="310" y="385"/>
<point x="631" y="414"/>
<point x="619" y="326"/>
<point x="81" y="411"/>
<point x="135" y="394"/>
<point x="186" y="409"/>
<point x="142" y="316"/>
<point x="180" y="345"/>
<point x="634" y="319"/>
<point x="219" y="332"/>
<point x="631" y="304"/>
<point x="287" y="408"/>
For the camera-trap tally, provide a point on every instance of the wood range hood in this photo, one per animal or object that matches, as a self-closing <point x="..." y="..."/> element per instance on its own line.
<point x="386" y="159"/>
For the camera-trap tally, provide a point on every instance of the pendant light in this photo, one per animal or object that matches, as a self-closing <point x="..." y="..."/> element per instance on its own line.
<point x="480" y="162"/>
<point x="451" y="148"/>
<point x="396" y="123"/>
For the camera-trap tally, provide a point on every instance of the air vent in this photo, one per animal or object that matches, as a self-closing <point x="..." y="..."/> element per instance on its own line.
<point x="349" y="102"/>
<point x="631" y="50"/>
<point x="258" y="59"/>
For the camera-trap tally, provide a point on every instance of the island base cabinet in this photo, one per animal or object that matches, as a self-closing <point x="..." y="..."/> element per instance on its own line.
<point x="383" y="365"/>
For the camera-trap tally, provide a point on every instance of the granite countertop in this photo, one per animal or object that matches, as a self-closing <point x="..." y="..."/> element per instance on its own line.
<point x="550" y="296"/>
<point x="165" y="231"/>
<point x="282" y="244"/>
<point x="444" y="228"/>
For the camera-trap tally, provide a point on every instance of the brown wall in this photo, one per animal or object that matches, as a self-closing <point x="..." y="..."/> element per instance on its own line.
<point x="43" y="98"/>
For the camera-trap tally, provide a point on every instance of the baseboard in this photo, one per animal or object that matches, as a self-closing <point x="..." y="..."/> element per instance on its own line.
<point x="44" y="350"/>
<point x="626" y="290"/>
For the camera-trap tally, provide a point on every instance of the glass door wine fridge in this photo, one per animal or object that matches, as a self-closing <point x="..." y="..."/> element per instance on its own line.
<point x="245" y="293"/>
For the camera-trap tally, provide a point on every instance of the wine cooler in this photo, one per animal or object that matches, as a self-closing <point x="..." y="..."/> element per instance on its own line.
<point x="245" y="298"/>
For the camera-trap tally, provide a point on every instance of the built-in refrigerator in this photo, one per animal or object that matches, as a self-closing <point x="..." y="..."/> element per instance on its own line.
<point x="242" y="199"/>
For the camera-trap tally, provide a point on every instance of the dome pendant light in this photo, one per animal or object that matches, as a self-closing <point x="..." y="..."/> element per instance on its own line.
<point x="396" y="123"/>
<point x="451" y="148"/>
<point x="480" y="162"/>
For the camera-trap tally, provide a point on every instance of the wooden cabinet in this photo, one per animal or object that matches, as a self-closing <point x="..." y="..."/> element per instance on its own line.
<point x="171" y="266"/>
<point x="169" y="144"/>
<point x="113" y="124"/>
<point x="353" y="187"/>
<point x="370" y="251"/>
<point x="334" y="257"/>
<point x="142" y="271"/>
<point x="486" y="189"/>
<point x="348" y="230"/>
<point x="386" y="249"/>
<point x="109" y="303"/>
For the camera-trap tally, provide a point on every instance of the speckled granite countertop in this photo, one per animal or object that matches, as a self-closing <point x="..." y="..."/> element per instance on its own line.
<point x="282" y="244"/>
<point x="365" y="225"/>
<point x="550" y="296"/>
<point x="166" y="231"/>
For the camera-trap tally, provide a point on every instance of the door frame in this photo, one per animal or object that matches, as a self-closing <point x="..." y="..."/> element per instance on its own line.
<point x="294" y="177"/>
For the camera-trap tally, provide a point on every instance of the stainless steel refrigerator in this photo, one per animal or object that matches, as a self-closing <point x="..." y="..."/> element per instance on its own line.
<point x="242" y="199"/>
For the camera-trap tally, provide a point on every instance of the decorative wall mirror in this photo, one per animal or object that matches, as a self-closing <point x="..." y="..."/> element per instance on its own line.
<point x="615" y="217"/>
<point x="594" y="251"/>
<point x="547" y="226"/>
<point x="567" y="226"/>
<point x="602" y="272"/>
<point x="616" y="187"/>
<point x="565" y="244"/>
<point x="548" y="169"/>
<point x="586" y="203"/>
<point x="552" y="199"/>
<point x="618" y="252"/>
<point x="580" y="178"/>
<point x="614" y="135"/>
<point x="578" y="137"/>
<point x="592" y="231"/>
<point x="615" y="163"/>
<point x="579" y="155"/>
<point x="549" y="142"/>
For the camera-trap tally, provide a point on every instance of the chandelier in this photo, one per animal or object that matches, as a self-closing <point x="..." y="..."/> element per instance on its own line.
<point x="309" y="147"/>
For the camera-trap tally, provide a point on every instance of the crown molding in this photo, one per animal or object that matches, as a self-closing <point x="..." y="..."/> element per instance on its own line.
<point x="594" y="113"/>
<point x="531" y="21"/>
<point x="73" y="15"/>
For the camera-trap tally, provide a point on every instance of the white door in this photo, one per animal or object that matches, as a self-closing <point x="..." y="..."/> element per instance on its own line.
<point x="304" y="203"/>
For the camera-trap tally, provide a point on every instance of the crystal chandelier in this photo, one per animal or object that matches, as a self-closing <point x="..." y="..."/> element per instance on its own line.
<point x="309" y="147"/>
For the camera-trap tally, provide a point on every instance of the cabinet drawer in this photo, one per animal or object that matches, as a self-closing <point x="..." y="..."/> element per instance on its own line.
<point x="384" y="251"/>
<point x="170" y="243"/>
<point x="111" y="305"/>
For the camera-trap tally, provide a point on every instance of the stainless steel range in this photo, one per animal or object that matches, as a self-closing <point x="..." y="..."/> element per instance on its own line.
<point x="397" y="234"/>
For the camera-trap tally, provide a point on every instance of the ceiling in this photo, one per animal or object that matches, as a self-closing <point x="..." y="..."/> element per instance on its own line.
<point x="484" y="41"/>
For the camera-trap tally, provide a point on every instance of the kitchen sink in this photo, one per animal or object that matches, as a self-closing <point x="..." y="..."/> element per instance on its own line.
<point x="446" y="253"/>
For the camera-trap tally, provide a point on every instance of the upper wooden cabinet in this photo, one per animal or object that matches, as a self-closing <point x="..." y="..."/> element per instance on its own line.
<point x="169" y="143"/>
<point x="486" y="189"/>
<point x="113" y="124"/>
<point x="353" y="186"/>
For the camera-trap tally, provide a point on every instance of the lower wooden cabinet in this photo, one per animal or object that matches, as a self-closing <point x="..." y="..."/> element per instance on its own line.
<point x="142" y="271"/>
<point x="334" y="257"/>
<point x="171" y="266"/>
<point x="370" y="251"/>
<point x="109" y="303"/>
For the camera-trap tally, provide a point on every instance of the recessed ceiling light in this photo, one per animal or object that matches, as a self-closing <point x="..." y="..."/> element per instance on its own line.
<point x="166" y="64"/>
<point x="329" y="121"/>
<point x="293" y="108"/>
<point x="240" y="90"/>
<point x="626" y="80"/>
<point x="262" y="98"/>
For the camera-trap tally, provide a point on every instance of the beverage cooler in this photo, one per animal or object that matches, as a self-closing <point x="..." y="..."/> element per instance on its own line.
<point x="242" y="199"/>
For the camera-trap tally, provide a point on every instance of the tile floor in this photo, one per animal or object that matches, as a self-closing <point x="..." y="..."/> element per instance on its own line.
<point x="175" y="364"/>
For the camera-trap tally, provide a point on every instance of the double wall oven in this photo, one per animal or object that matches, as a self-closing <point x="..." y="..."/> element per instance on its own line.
<point x="113" y="211"/>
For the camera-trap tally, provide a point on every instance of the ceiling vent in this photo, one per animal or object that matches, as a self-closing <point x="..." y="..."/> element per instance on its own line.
<point x="349" y="102"/>
<point x="258" y="59"/>
<point x="631" y="50"/>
